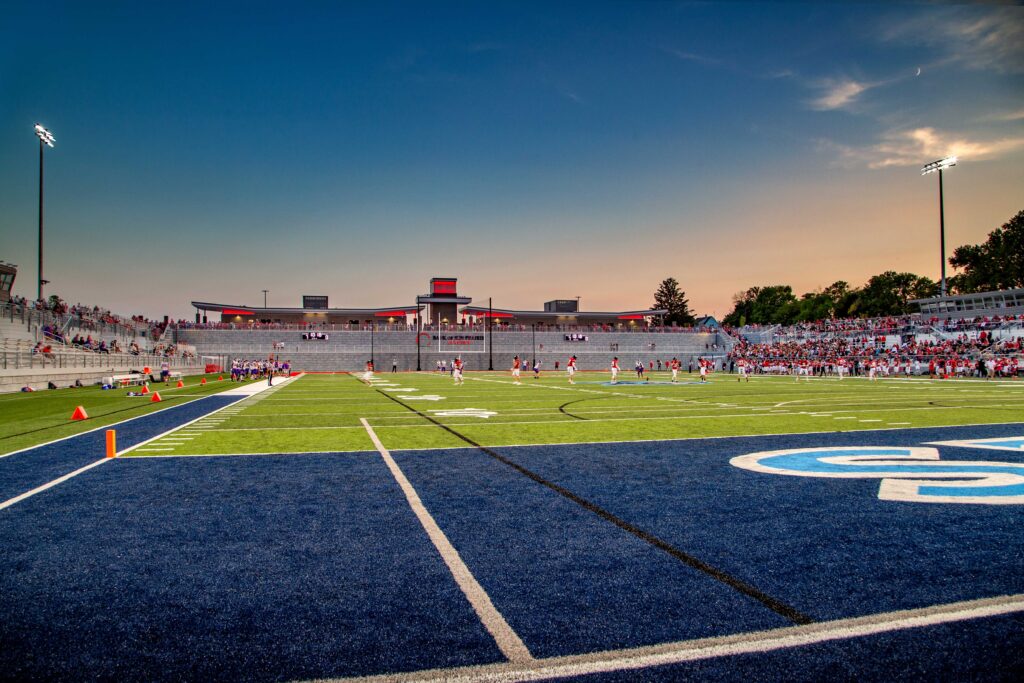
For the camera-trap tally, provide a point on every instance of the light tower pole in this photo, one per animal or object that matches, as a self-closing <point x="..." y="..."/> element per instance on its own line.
<point x="419" y="326"/>
<point x="939" y="166"/>
<point x="45" y="140"/>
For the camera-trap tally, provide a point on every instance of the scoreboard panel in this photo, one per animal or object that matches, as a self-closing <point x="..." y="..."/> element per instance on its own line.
<point x="314" y="301"/>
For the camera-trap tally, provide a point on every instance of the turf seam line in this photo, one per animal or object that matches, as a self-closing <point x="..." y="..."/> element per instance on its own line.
<point x="756" y="642"/>
<point x="507" y="640"/>
<point x="739" y="585"/>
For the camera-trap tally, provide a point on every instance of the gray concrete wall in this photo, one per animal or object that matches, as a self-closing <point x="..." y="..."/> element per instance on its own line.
<point x="349" y="350"/>
<point x="37" y="377"/>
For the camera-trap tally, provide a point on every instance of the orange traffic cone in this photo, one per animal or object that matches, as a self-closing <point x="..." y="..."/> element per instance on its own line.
<point x="180" y="384"/>
<point x="156" y="397"/>
<point x="145" y="389"/>
<point x="221" y="378"/>
<point x="79" y="414"/>
<point x="202" y="381"/>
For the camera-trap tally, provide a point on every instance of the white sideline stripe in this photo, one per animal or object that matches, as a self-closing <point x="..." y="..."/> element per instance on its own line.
<point x="59" y="480"/>
<point x="583" y="443"/>
<point x="62" y="479"/>
<point x="508" y="641"/>
<point x="110" y="426"/>
<point x="153" y="450"/>
<point x="723" y="646"/>
<point x="192" y="423"/>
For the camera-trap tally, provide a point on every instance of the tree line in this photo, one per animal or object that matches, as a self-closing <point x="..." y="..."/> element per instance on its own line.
<point x="997" y="263"/>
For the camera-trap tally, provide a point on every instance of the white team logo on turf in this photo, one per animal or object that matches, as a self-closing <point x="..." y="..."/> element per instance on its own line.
<point x="907" y="473"/>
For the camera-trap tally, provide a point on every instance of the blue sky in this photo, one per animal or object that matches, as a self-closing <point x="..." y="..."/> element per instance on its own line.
<point x="536" y="150"/>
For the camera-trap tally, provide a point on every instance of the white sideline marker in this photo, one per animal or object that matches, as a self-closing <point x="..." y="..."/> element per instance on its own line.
<point x="721" y="646"/>
<point x="59" y="480"/>
<point x="507" y="640"/>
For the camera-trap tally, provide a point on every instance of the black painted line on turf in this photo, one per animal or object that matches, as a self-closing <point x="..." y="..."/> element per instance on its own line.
<point x="739" y="585"/>
<point x="562" y="409"/>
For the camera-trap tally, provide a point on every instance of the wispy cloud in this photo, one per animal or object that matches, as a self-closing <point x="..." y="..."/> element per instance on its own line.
<point x="1017" y="115"/>
<point x="484" y="46"/>
<point x="691" y="56"/>
<point x="570" y="95"/>
<point x="838" y="93"/>
<point x="916" y="146"/>
<point x="989" y="38"/>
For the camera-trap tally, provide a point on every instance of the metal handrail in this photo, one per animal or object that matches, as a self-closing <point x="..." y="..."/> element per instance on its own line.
<point x="16" y="360"/>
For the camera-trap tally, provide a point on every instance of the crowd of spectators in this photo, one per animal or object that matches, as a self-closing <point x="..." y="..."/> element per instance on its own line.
<point x="79" y="315"/>
<point x="905" y="343"/>
<point x="877" y="327"/>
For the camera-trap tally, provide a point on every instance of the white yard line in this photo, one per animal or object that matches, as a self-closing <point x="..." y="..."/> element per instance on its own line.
<point x="508" y="641"/>
<point x="722" y="646"/>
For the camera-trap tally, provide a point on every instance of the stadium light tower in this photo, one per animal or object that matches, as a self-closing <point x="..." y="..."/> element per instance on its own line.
<point x="45" y="140"/>
<point x="940" y="166"/>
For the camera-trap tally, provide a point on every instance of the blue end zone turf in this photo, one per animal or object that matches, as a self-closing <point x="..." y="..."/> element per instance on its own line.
<point x="240" y="569"/>
<point x="28" y="469"/>
<point x="260" y="568"/>
<point x="829" y="547"/>
<point x="567" y="581"/>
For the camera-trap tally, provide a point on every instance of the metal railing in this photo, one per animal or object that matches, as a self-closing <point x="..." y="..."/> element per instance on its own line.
<point x="476" y="327"/>
<point x="38" y="318"/>
<point x="26" y="359"/>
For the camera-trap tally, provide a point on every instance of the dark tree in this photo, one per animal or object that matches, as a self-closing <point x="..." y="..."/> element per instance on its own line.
<point x="997" y="263"/>
<point x="742" y="307"/>
<point x="764" y="305"/>
<point x="890" y="293"/>
<point x="673" y="300"/>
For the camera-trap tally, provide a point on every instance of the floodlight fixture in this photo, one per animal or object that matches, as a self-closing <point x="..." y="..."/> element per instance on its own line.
<point x="940" y="165"/>
<point x="44" y="135"/>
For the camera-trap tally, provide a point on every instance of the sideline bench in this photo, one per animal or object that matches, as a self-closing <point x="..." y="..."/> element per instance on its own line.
<point x="126" y="380"/>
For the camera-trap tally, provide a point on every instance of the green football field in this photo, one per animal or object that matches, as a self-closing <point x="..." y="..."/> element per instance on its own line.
<point x="318" y="413"/>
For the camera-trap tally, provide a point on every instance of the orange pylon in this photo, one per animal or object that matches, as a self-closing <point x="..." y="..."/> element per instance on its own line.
<point x="156" y="397"/>
<point x="79" y="414"/>
<point x="202" y="381"/>
<point x="145" y="389"/>
<point x="111" y="443"/>
<point x="180" y="384"/>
